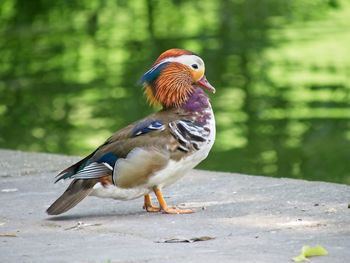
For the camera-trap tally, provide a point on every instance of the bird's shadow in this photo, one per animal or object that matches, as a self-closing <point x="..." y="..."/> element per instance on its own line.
<point x="81" y="216"/>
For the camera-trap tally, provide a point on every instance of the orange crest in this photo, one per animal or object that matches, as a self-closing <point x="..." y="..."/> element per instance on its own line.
<point x="174" y="52"/>
<point x="172" y="87"/>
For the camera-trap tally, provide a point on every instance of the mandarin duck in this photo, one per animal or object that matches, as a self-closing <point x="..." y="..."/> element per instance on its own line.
<point x="156" y="151"/>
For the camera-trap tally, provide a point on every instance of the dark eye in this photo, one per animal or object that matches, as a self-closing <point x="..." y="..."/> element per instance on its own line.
<point x="195" y="66"/>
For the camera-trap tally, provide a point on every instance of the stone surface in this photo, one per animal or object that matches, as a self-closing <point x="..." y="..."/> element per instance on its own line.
<point x="251" y="218"/>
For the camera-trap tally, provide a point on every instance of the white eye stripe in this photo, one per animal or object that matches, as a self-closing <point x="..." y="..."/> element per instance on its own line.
<point x="187" y="60"/>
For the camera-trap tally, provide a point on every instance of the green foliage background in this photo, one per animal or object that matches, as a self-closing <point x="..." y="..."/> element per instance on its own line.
<point x="69" y="72"/>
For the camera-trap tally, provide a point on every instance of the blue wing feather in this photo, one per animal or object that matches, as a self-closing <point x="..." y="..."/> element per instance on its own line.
<point x="108" y="158"/>
<point x="146" y="127"/>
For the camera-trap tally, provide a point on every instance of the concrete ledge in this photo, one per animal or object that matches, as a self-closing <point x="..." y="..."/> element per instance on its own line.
<point x="251" y="218"/>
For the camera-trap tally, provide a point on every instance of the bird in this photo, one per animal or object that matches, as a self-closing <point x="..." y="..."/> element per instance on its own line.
<point x="154" y="152"/>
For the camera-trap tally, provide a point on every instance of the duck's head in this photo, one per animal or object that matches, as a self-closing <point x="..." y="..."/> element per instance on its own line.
<point x="173" y="77"/>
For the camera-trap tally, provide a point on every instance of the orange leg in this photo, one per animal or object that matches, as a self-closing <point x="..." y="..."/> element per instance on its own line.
<point x="148" y="204"/>
<point x="164" y="207"/>
<point x="106" y="180"/>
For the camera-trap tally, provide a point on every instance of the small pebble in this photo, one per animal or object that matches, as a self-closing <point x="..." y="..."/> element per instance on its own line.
<point x="9" y="190"/>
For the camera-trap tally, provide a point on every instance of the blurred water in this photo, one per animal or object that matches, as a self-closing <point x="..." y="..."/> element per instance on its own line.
<point x="69" y="72"/>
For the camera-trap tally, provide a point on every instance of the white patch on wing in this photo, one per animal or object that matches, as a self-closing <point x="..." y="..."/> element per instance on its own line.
<point x="177" y="133"/>
<point x="193" y="129"/>
<point x="93" y="170"/>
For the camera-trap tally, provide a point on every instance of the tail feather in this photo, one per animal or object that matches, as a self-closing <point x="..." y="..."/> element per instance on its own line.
<point x="77" y="191"/>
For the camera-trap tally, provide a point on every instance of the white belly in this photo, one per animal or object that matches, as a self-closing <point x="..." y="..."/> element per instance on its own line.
<point x="112" y="191"/>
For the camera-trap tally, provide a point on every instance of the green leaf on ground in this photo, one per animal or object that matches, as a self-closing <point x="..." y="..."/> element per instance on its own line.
<point x="308" y="251"/>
